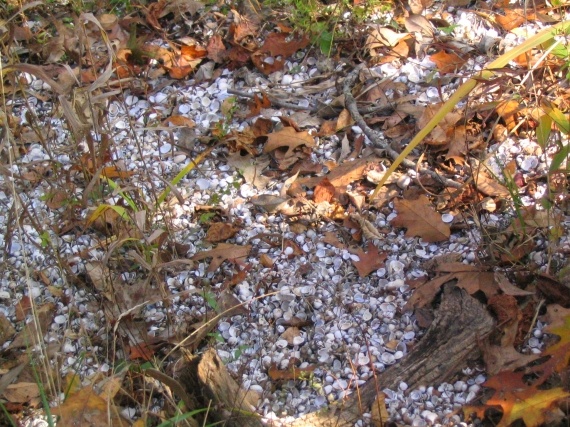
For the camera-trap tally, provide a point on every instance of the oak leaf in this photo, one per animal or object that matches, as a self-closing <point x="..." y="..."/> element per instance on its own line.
<point x="420" y="219"/>
<point x="288" y="138"/>
<point x="518" y="400"/>
<point x="469" y="277"/>
<point x="369" y="261"/>
<point x="223" y="252"/>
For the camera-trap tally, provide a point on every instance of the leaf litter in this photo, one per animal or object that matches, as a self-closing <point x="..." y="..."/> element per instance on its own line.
<point x="327" y="185"/>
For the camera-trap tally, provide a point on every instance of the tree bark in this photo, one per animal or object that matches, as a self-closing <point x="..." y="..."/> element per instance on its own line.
<point x="452" y="339"/>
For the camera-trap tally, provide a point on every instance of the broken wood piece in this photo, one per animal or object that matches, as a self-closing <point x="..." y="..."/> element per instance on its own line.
<point x="208" y="380"/>
<point x="460" y="323"/>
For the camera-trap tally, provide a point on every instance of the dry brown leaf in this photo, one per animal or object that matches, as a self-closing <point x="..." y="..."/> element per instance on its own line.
<point x="87" y="408"/>
<point x="180" y="64"/>
<point x="291" y="373"/>
<point x="220" y="231"/>
<point x="420" y="219"/>
<point x="328" y="128"/>
<point x="489" y="186"/>
<point x="324" y="191"/>
<point x="343" y="175"/>
<point x="508" y="288"/>
<point x="468" y="277"/>
<point x="31" y="335"/>
<point x="418" y="6"/>
<point x="278" y="47"/>
<point x="22" y="392"/>
<point x="288" y="138"/>
<point x="6" y="329"/>
<point x="378" y="412"/>
<point x="369" y="261"/>
<point x="266" y="261"/>
<point x="178" y="120"/>
<point x="344" y="120"/>
<point x="508" y="111"/>
<point x="504" y="358"/>
<point x="290" y="334"/>
<point x="512" y="19"/>
<point x="447" y="62"/>
<point x="223" y="252"/>
<point x="258" y="102"/>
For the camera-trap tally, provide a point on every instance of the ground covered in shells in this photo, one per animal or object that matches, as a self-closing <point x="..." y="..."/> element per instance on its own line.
<point x="179" y="176"/>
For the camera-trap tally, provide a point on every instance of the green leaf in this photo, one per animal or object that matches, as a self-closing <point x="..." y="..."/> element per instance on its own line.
<point x="543" y="130"/>
<point x="560" y="119"/>
<point x="326" y="42"/>
<point x="559" y="158"/>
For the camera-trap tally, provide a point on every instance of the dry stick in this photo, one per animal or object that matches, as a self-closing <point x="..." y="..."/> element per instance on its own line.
<point x="311" y="108"/>
<point x="376" y="138"/>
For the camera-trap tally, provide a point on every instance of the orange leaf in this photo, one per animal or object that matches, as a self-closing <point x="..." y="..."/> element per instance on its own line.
<point x="292" y="373"/>
<point x="112" y="172"/>
<point x="178" y="120"/>
<point x="324" y="191"/>
<point x="447" y="62"/>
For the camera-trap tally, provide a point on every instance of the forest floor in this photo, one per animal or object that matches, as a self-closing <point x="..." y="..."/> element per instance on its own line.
<point x="187" y="185"/>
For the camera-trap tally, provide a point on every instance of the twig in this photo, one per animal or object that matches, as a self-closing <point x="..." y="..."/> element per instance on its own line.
<point x="311" y="108"/>
<point x="275" y="101"/>
<point x="375" y="136"/>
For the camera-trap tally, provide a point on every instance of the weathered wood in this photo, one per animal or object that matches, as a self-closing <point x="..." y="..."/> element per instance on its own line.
<point x="452" y="339"/>
<point x="209" y="381"/>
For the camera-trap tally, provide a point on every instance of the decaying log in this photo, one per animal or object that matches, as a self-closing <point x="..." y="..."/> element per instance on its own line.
<point x="452" y="339"/>
<point x="460" y="323"/>
<point x="208" y="380"/>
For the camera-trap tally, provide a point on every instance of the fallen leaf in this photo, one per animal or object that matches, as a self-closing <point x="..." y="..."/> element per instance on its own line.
<point x="518" y="400"/>
<point x="418" y="6"/>
<point x="447" y="62"/>
<point x="86" y="408"/>
<point x="258" y="102"/>
<point x="344" y="120"/>
<point x="512" y="19"/>
<point x="553" y="290"/>
<point x="324" y="191"/>
<point x="378" y="412"/>
<point x="292" y="373"/>
<point x="178" y="120"/>
<point x="504" y="358"/>
<point x="290" y="334"/>
<point x="278" y="46"/>
<point x="369" y="261"/>
<point x="6" y="329"/>
<point x="489" y="186"/>
<point x="220" y="231"/>
<point x="223" y="252"/>
<point x="420" y="219"/>
<point x="36" y="329"/>
<point x="343" y="175"/>
<point x="469" y="277"/>
<point x="508" y="288"/>
<point x="288" y="138"/>
<point x="22" y="392"/>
